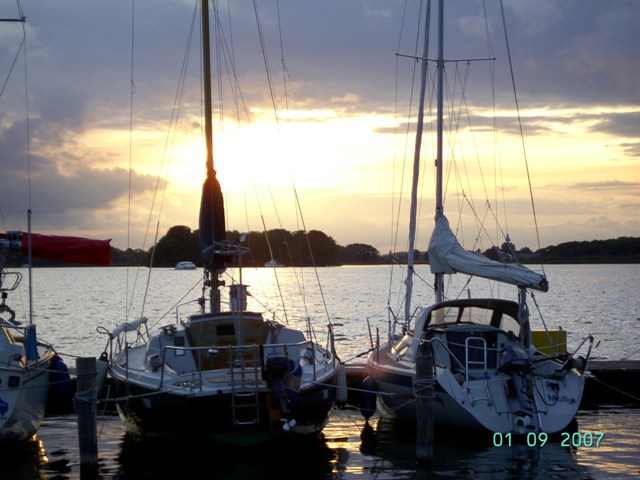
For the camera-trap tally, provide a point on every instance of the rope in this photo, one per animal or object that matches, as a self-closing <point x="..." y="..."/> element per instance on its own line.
<point x="614" y="388"/>
<point x="424" y="385"/>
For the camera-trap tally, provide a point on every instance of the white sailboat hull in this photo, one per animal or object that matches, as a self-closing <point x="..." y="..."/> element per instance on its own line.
<point x="485" y="375"/>
<point x="486" y="404"/>
<point x="23" y="399"/>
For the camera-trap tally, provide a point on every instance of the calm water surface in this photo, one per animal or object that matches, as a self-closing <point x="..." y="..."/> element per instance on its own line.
<point x="348" y="449"/>
<point x="71" y="303"/>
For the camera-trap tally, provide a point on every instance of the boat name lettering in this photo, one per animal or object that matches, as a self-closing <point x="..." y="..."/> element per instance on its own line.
<point x="561" y="398"/>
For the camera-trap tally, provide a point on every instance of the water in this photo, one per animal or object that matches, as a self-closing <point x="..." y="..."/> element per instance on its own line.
<point x="71" y="303"/>
<point x="346" y="450"/>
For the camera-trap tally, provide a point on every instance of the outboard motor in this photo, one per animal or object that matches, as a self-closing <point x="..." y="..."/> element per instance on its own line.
<point x="276" y="370"/>
<point x="515" y="361"/>
<point x="283" y="382"/>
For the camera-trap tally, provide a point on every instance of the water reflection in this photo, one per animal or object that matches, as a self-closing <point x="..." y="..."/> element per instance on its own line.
<point x="349" y="448"/>
<point x="23" y="461"/>
<point x="388" y="450"/>
<point x="191" y="458"/>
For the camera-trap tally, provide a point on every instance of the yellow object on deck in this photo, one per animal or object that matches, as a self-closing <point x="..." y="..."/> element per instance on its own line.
<point x="551" y="341"/>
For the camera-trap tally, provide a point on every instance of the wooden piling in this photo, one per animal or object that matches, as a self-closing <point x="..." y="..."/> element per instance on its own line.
<point x="424" y="403"/>
<point x="86" y="400"/>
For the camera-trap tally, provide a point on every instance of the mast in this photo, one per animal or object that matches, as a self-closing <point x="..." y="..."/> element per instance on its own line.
<point x="416" y="169"/>
<point x="206" y="72"/>
<point x="207" y="224"/>
<point x="439" y="277"/>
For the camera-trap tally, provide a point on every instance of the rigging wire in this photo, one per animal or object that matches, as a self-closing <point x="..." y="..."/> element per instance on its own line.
<point x="524" y="150"/>
<point x="129" y="189"/>
<point x="274" y="104"/>
<point x="22" y="48"/>
<point x="165" y="162"/>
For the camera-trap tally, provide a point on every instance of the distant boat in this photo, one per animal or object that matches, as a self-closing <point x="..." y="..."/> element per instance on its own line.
<point x="227" y="374"/>
<point x="273" y="264"/>
<point x="185" y="266"/>
<point x="485" y="371"/>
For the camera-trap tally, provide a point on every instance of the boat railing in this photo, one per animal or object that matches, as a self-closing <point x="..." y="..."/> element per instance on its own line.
<point x="9" y="281"/>
<point x="242" y="360"/>
<point x="118" y="340"/>
<point x="438" y="358"/>
<point x="469" y="362"/>
<point x="581" y="367"/>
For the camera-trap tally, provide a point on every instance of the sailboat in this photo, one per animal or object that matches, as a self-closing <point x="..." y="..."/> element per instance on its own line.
<point x="30" y="369"/>
<point x="31" y="372"/>
<point x="223" y="373"/>
<point x="486" y="373"/>
<point x="24" y="363"/>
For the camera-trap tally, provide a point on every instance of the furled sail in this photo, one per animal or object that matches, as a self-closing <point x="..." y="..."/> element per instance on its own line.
<point x="446" y="255"/>
<point x="68" y="249"/>
<point x="212" y="221"/>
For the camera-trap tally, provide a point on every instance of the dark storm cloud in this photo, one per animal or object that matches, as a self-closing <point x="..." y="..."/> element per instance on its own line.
<point x="58" y="172"/>
<point x="338" y="54"/>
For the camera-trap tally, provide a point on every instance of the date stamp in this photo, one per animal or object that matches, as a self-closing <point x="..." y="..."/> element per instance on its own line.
<point x="539" y="439"/>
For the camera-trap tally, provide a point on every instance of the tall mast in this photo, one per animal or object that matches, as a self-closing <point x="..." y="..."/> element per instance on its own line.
<point x="214" y="292"/>
<point x="206" y="72"/>
<point x="416" y="169"/>
<point x="439" y="277"/>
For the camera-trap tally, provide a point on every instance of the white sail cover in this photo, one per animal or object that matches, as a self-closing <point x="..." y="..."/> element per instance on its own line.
<point x="446" y="255"/>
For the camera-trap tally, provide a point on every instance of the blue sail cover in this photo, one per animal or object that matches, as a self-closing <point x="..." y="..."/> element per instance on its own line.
<point x="212" y="221"/>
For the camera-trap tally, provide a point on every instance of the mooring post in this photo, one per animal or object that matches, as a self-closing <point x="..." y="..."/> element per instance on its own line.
<point x="86" y="400"/>
<point x="424" y="403"/>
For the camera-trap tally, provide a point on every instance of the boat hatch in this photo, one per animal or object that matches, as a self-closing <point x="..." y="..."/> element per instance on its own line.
<point x="222" y="330"/>
<point x="473" y="348"/>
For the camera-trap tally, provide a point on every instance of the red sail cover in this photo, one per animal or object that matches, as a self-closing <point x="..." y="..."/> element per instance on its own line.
<point x="68" y="249"/>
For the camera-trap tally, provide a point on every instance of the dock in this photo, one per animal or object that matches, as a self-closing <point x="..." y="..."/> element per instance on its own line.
<point x="612" y="383"/>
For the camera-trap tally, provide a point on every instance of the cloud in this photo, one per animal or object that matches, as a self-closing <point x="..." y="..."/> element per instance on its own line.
<point x="621" y="124"/>
<point x="576" y="60"/>
<point x="57" y="175"/>
<point x="631" y="187"/>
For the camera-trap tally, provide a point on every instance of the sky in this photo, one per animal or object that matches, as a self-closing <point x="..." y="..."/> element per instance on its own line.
<point x="100" y="80"/>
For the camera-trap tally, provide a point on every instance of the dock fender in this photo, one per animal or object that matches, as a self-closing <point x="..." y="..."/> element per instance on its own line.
<point x="61" y="388"/>
<point x="369" y="396"/>
<point x="102" y="365"/>
<point x="341" y="387"/>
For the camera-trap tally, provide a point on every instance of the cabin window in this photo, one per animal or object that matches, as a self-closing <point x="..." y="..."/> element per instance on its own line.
<point x="510" y="324"/>
<point x="444" y="315"/>
<point x="481" y="316"/>
<point x="225" y="329"/>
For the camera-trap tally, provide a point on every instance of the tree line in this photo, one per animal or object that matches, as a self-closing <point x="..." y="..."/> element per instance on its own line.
<point x="297" y="248"/>
<point x="315" y="247"/>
